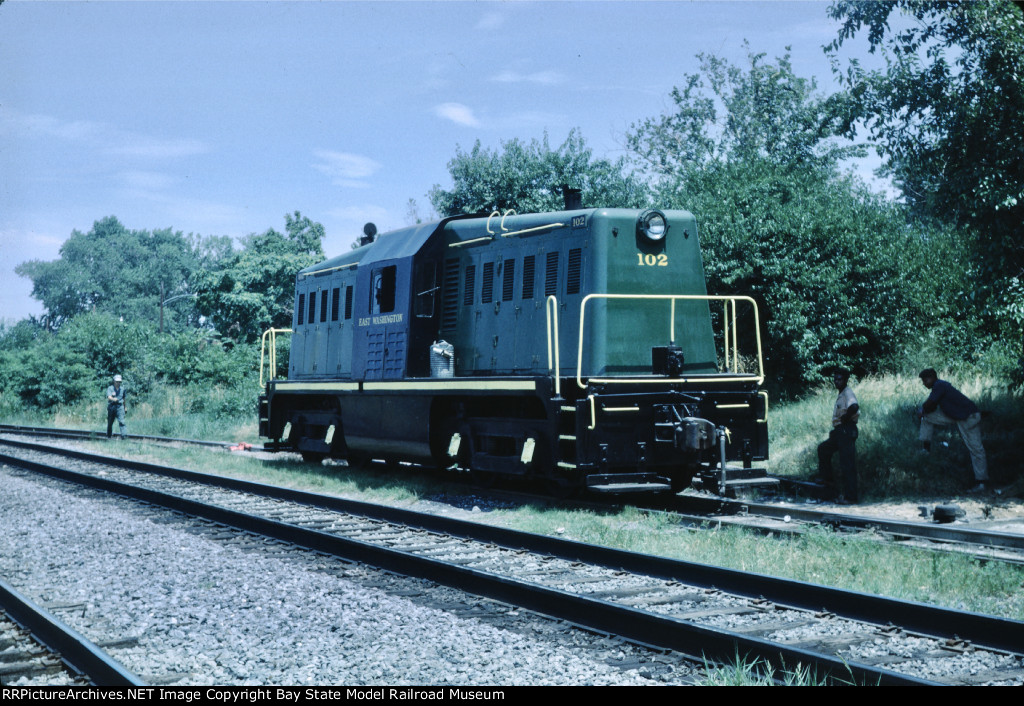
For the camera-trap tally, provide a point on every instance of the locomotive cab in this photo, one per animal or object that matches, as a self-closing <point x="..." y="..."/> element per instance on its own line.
<point x="396" y="318"/>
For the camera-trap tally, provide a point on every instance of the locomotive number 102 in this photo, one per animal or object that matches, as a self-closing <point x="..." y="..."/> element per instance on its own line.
<point x="651" y="260"/>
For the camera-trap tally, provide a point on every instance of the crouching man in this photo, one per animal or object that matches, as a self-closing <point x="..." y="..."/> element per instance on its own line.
<point x="946" y="406"/>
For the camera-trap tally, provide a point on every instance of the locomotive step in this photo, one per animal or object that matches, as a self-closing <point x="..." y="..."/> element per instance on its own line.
<point x="738" y="472"/>
<point x="630" y="488"/>
<point x="751" y="482"/>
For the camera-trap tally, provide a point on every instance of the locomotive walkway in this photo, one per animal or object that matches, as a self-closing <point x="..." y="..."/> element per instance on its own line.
<point x="704" y="611"/>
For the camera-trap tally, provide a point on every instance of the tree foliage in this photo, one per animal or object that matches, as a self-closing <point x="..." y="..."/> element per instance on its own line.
<point x="728" y="114"/>
<point x="947" y="113"/>
<point x="45" y="369"/>
<point x="756" y="155"/>
<point x="254" y="287"/>
<point x="122" y="272"/>
<point x="529" y="179"/>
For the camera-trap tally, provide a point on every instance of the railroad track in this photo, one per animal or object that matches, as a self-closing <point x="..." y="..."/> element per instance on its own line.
<point x="985" y="544"/>
<point x="38" y="649"/>
<point x="90" y="435"/>
<point x="691" y="608"/>
<point x="700" y="511"/>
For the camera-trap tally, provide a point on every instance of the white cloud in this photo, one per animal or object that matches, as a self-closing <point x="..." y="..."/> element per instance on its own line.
<point x="545" y="78"/>
<point x="102" y="136"/>
<point x="345" y="168"/>
<point x="457" y="113"/>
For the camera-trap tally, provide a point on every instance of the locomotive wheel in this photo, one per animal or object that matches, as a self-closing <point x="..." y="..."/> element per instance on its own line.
<point x="482" y="479"/>
<point x="313" y="457"/>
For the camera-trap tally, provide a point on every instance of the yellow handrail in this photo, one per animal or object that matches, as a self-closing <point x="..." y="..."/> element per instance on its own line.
<point x="272" y="333"/>
<point x="672" y="298"/>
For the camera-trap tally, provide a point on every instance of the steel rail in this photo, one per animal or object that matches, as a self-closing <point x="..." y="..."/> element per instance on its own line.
<point x="79" y="653"/>
<point x="99" y="435"/>
<point x="991" y="631"/>
<point x="936" y="532"/>
<point x="595" y="614"/>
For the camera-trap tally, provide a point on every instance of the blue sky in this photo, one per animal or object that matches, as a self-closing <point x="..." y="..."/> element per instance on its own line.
<point x="217" y="118"/>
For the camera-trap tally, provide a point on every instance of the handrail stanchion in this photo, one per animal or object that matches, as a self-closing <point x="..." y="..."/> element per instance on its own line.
<point x="270" y="358"/>
<point x="725" y="335"/>
<point x="551" y="326"/>
<point x="735" y="343"/>
<point x="730" y="337"/>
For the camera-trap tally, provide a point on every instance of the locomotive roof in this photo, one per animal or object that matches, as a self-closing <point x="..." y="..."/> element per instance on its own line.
<point x="406" y="242"/>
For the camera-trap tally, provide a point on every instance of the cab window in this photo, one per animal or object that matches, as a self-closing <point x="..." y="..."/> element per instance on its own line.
<point x="382" y="290"/>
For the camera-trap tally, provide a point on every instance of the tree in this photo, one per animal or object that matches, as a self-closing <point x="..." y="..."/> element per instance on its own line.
<point x="529" y="179"/>
<point x="947" y="113"/>
<point x="47" y="368"/>
<point x="126" y="273"/>
<point x="755" y="153"/>
<point x="254" y="288"/>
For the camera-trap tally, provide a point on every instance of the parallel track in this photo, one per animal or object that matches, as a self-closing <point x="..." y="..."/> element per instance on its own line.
<point x="90" y="435"/>
<point x="670" y="604"/>
<point x="985" y="544"/>
<point x="80" y="655"/>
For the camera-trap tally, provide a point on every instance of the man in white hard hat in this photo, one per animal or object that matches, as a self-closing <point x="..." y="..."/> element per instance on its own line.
<point x="115" y="406"/>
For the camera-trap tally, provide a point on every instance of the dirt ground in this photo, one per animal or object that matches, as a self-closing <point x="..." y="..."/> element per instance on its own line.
<point x="987" y="510"/>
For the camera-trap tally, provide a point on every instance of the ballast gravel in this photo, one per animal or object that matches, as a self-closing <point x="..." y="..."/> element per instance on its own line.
<point x="227" y="612"/>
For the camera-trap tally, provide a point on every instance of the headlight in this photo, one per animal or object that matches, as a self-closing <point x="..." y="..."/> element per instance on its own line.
<point x="652" y="225"/>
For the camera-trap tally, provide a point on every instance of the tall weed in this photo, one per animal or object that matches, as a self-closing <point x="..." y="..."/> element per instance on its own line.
<point x="889" y="458"/>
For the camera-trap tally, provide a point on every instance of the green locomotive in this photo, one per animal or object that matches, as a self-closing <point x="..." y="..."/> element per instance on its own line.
<point x="576" y="348"/>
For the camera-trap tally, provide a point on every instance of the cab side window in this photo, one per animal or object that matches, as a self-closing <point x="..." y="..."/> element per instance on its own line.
<point x="382" y="290"/>
<point x="425" y="283"/>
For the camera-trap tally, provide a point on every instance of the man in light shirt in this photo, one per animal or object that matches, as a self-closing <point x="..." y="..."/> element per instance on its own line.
<point x="842" y="440"/>
<point x="115" y="406"/>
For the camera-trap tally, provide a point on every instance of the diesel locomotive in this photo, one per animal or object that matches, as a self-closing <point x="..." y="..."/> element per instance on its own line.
<point x="578" y="348"/>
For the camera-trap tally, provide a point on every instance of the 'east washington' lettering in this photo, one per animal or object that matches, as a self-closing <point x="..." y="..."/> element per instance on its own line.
<point x="384" y="319"/>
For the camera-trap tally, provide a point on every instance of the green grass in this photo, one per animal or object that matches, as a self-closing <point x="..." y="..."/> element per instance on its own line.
<point x="166" y="411"/>
<point x="745" y="672"/>
<point x="887" y="460"/>
<point x="889" y="465"/>
<point x="819" y="556"/>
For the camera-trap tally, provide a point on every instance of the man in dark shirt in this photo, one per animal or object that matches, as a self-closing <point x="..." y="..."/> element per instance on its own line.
<point x="945" y="406"/>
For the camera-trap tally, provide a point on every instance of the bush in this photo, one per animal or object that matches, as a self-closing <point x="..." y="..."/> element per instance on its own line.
<point x="888" y="460"/>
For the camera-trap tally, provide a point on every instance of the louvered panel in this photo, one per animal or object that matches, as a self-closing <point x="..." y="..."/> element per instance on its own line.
<point x="529" y="270"/>
<point x="487" y="288"/>
<point x="572" y="279"/>
<point x="450" y="298"/>
<point x="508" y="284"/>
<point x="551" y="275"/>
<point x="467" y="293"/>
